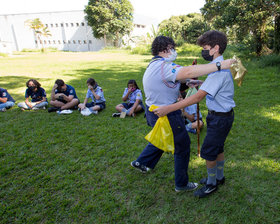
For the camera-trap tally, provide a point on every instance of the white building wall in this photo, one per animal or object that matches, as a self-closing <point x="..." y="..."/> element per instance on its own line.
<point x="69" y="31"/>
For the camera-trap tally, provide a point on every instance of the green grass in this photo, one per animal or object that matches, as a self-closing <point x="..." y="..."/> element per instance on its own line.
<point x="75" y="169"/>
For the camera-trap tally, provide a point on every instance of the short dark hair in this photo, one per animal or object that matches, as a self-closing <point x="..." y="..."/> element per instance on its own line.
<point x="132" y="81"/>
<point x="91" y="81"/>
<point x="213" y="38"/>
<point x="59" y="83"/>
<point x="37" y="84"/>
<point x="161" y="43"/>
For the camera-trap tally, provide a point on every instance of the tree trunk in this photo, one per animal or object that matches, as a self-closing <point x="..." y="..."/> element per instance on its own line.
<point x="105" y="40"/>
<point x="259" y="42"/>
<point x="277" y="34"/>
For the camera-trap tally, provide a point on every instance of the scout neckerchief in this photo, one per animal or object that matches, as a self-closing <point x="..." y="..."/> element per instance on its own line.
<point x="159" y="58"/>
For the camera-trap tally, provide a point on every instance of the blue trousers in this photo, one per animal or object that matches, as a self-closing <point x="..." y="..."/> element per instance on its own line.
<point x="151" y="154"/>
<point x="7" y="105"/>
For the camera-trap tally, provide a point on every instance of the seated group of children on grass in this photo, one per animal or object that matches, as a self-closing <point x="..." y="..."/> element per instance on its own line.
<point x="64" y="99"/>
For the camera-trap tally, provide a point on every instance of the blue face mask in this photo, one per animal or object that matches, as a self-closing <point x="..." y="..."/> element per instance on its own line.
<point x="172" y="56"/>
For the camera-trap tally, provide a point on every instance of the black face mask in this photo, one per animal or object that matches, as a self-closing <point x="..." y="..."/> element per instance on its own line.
<point x="32" y="88"/>
<point x="205" y="54"/>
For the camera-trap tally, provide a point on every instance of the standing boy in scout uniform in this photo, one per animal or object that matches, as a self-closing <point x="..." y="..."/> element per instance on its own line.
<point x="161" y="83"/>
<point x="219" y="91"/>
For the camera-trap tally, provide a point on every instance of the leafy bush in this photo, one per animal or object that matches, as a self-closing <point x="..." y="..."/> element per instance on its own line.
<point x="240" y="50"/>
<point x="189" y="50"/>
<point x="269" y="60"/>
<point x="142" y="49"/>
<point x="43" y="50"/>
<point x="30" y="50"/>
<point x="3" y="55"/>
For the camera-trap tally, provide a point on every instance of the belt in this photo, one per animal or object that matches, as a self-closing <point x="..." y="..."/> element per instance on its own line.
<point x="212" y="112"/>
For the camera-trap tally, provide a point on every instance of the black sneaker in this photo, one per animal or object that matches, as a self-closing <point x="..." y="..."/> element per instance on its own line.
<point x="219" y="182"/>
<point x="116" y="114"/>
<point x="140" y="167"/>
<point x="53" y="109"/>
<point x="205" y="190"/>
<point x="190" y="186"/>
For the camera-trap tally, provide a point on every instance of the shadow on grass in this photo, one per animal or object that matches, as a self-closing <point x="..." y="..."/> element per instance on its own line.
<point x="71" y="167"/>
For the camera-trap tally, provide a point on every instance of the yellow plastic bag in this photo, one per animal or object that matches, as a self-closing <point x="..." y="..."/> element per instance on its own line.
<point x="161" y="135"/>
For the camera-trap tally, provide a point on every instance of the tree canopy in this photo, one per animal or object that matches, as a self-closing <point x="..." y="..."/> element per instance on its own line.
<point x="110" y="19"/>
<point x="245" y="18"/>
<point x="185" y="27"/>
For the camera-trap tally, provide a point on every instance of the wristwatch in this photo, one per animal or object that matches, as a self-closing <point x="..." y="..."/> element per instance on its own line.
<point x="218" y="64"/>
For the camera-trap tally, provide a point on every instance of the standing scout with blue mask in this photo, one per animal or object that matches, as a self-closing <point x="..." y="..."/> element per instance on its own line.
<point x="6" y="101"/>
<point x="161" y="83"/>
<point x="132" y="96"/>
<point x="95" y="93"/>
<point x="37" y="94"/>
<point x="218" y="89"/>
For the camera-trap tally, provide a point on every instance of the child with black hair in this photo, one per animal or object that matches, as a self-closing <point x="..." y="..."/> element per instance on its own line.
<point x="37" y="94"/>
<point x="96" y="94"/>
<point x="161" y="82"/>
<point x="132" y="96"/>
<point x="218" y="88"/>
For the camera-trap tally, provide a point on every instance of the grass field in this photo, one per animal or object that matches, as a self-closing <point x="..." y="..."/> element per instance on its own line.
<point x="75" y="169"/>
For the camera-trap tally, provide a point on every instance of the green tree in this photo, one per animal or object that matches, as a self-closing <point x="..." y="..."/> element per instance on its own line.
<point x="244" y="17"/>
<point x="39" y="30"/>
<point x="186" y="28"/>
<point x="110" y="19"/>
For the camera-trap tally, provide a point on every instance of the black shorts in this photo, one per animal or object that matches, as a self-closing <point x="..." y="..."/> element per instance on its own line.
<point x="218" y="128"/>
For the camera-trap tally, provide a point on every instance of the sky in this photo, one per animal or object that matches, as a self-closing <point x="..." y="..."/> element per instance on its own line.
<point x="155" y="9"/>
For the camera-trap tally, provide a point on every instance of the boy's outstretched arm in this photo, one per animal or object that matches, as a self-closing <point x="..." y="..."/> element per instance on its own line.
<point x="163" y="110"/>
<point x="194" y="71"/>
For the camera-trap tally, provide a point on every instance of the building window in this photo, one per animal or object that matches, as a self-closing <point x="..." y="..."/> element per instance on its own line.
<point x="138" y="26"/>
<point x="77" y="24"/>
<point x="66" y="24"/>
<point x="74" y="42"/>
<point x="82" y="24"/>
<point x="54" y="41"/>
<point x="36" y="42"/>
<point x="56" y="25"/>
<point x="89" y="41"/>
<point x="45" y="42"/>
<point x="49" y="42"/>
<point x="79" y="42"/>
<point x="51" y="25"/>
<point x="64" y="42"/>
<point x="143" y="26"/>
<point x="61" y="24"/>
<point x="85" y="42"/>
<point x="69" y="42"/>
<point x="58" y="41"/>
<point x="46" y="25"/>
<point x="72" y="24"/>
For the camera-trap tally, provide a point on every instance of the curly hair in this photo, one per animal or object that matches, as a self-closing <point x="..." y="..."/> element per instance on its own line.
<point x="162" y="43"/>
<point x="213" y="38"/>
<point x="36" y="83"/>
